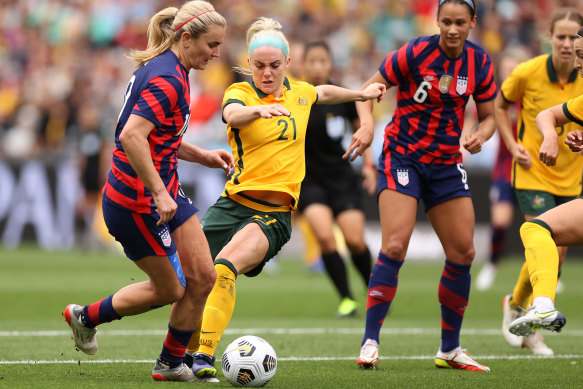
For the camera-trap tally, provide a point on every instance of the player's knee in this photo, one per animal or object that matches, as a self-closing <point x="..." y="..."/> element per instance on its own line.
<point x="170" y="293"/>
<point x="466" y="255"/>
<point x="355" y="246"/>
<point x="394" y="249"/>
<point x="327" y="244"/>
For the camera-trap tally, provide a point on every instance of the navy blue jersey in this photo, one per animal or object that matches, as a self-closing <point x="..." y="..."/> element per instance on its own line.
<point x="432" y="93"/>
<point x="159" y="91"/>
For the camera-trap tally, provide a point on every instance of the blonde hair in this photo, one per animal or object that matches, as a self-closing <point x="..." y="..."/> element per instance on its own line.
<point x="166" y="27"/>
<point x="262" y="26"/>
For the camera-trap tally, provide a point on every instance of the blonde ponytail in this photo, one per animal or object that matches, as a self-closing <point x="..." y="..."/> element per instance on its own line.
<point x="167" y="26"/>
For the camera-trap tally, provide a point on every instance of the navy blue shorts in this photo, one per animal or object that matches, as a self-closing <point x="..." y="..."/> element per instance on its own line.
<point x="501" y="191"/>
<point x="138" y="233"/>
<point x="434" y="184"/>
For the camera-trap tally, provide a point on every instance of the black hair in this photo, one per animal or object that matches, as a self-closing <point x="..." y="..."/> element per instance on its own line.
<point x="315" y="44"/>
<point x="463" y="2"/>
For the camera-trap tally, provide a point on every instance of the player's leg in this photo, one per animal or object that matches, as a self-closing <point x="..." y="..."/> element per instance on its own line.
<point x="321" y="220"/>
<point x="143" y="243"/>
<point x="453" y="222"/>
<point x="397" y="214"/>
<point x="352" y="223"/>
<point x="185" y="314"/>
<point x="501" y="214"/>
<point x="558" y="226"/>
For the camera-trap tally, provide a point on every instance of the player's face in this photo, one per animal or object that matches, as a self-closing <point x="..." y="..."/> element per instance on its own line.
<point x="317" y="65"/>
<point x="454" y="22"/>
<point x="268" y="65"/>
<point x="206" y="47"/>
<point x="563" y="39"/>
<point x="579" y="55"/>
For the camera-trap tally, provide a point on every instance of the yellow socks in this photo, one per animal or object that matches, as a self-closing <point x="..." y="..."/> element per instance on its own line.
<point x="217" y="311"/>
<point x="542" y="257"/>
<point x="522" y="290"/>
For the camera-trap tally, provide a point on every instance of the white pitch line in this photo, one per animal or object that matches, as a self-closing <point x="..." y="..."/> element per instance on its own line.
<point x="296" y="359"/>
<point x="281" y="331"/>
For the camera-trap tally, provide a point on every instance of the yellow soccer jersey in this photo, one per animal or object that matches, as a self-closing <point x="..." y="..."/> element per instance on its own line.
<point x="535" y="85"/>
<point x="270" y="153"/>
<point x="573" y="110"/>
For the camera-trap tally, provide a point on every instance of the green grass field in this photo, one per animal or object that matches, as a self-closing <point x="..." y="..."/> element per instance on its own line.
<point x="292" y="309"/>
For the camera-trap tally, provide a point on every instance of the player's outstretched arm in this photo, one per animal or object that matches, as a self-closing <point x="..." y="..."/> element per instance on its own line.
<point x="332" y="94"/>
<point x="210" y="158"/>
<point x="238" y="115"/>
<point x="363" y="137"/>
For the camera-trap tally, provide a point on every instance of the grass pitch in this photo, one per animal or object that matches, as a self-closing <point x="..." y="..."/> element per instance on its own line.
<point x="293" y="309"/>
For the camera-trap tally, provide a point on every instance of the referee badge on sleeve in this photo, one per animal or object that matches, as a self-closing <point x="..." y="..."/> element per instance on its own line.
<point x="403" y="177"/>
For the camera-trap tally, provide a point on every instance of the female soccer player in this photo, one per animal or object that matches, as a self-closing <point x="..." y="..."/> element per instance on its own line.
<point x="266" y="126"/>
<point x="143" y="205"/>
<point x="325" y="198"/>
<point x="560" y="226"/>
<point x="537" y="84"/>
<point x="435" y="76"/>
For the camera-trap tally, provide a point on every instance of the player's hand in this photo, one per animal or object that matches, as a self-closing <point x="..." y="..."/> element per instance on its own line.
<point x="165" y="206"/>
<point x="549" y="151"/>
<point x="574" y="140"/>
<point x="521" y="156"/>
<point x="376" y="90"/>
<point x="219" y="159"/>
<point x="271" y="110"/>
<point x="369" y="172"/>
<point x="473" y="143"/>
<point x="361" y="140"/>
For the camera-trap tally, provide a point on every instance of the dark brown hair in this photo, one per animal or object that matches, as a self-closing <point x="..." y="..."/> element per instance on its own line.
<point x="472" y="10"/>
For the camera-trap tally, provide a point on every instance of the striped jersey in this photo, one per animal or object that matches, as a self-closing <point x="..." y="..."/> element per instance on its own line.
<point x="432" y="92"/>
<point x="159" y="91"/>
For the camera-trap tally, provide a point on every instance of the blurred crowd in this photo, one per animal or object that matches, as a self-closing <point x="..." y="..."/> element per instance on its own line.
<point x="63" y="70"/>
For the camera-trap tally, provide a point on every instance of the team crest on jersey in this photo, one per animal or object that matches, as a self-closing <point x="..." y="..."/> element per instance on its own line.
<point x="444" y="83"/>
<point x="302" y="101"/>
<point x="403" y="177"/>
<point x="462" y="85"/>
<point x="166" y="239"/>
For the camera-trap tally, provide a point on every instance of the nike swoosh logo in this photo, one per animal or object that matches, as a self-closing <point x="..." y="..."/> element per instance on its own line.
<point x="207" y="332"/>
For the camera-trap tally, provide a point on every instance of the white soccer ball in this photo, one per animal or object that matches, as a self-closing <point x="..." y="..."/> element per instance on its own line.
<point x="249" y="361"/>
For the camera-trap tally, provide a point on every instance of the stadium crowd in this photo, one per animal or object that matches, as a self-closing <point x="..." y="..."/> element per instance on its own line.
<point x="63" y="68"/>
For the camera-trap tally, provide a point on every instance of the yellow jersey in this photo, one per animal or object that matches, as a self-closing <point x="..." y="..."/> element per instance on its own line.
<point x="269" y="153"/>
<point x="535" y="85"/>
<point x="573" y="110"/>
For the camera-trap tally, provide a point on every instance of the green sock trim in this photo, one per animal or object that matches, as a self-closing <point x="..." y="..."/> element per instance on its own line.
<point x="543" y="225"/>
<point x="222" y="261"/>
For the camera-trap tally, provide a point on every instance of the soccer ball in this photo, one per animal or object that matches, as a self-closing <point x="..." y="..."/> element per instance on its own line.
<point x="249" y="361"/>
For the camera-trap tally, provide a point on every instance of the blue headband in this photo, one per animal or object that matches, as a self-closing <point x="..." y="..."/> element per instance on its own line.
<point x="268" y="40"/>
<point x="468" y="2"/>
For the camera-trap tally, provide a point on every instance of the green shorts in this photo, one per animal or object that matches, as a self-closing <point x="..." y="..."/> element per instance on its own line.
<point x="226" y="217"/>
<point x="537" y="202"/>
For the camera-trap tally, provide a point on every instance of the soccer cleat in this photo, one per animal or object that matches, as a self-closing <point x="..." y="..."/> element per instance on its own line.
<point x="458" y="358"/>
<point x="163" y="372"/>
<point x="369" y="355"/>
<point x="188" y="359"/>
<point x="83" y="336"/>
<point x="510" y="314"/>
<point x="533" y="320"/>
<point x="202" y="366"/>
<point x="534" y="342"/>
<point x="347" y="308"/>
<point x="486" y="276"/>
